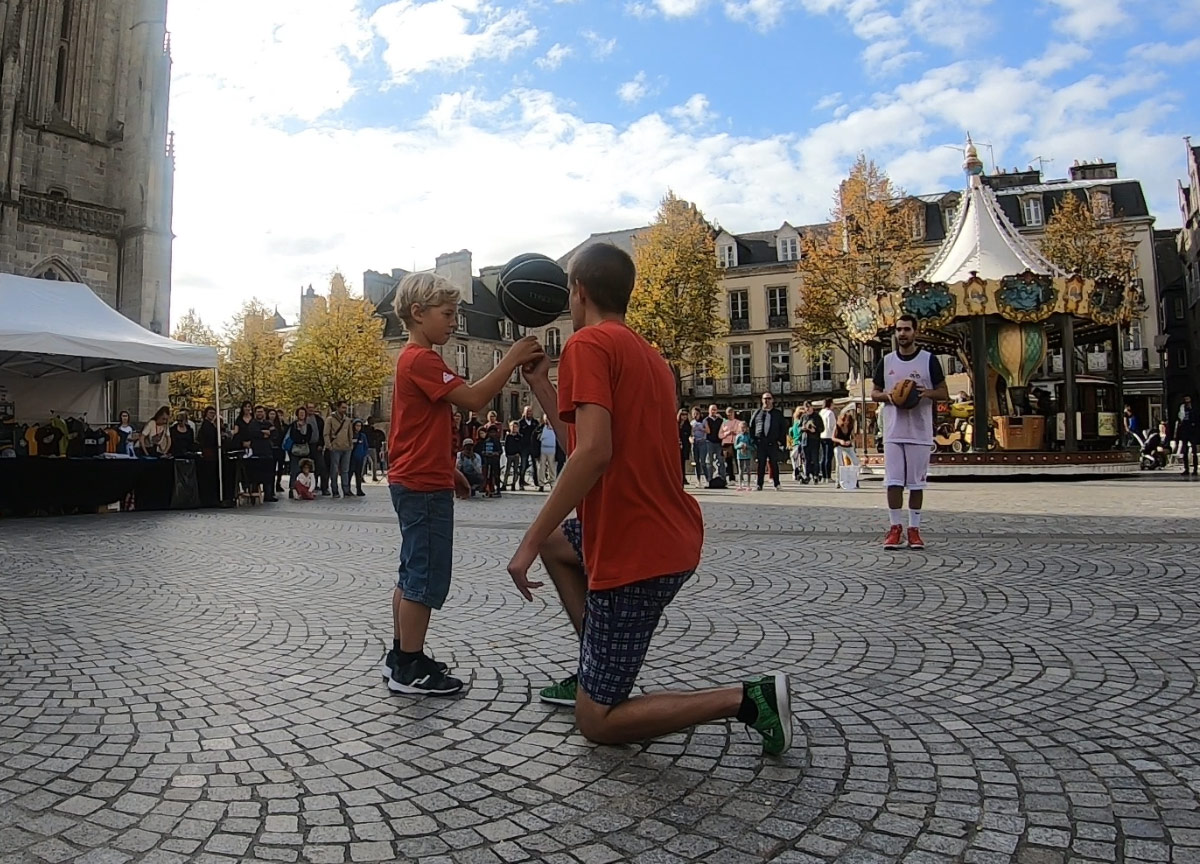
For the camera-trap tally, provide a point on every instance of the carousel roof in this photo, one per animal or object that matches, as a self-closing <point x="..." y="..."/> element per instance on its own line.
<point x="982" y="240"/>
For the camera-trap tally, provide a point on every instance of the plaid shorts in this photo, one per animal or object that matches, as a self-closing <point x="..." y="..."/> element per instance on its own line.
<point x="618" y="624"/>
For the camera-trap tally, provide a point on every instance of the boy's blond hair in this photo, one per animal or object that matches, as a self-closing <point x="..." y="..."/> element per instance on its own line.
<point x="425" y="290"/>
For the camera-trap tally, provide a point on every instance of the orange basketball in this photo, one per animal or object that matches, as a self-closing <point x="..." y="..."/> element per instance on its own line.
<point x="905" y="394"/>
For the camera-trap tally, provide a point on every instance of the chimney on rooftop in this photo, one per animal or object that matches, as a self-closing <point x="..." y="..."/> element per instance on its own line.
<point x="1098" y="170"/>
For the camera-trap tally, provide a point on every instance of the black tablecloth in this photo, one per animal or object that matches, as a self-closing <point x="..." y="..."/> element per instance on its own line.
<point x="48" y="485"/>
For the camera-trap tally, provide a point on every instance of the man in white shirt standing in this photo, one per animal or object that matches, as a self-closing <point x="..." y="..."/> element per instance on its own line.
<point x="547" y="464"/>
<point x="829" y="418"/>
<point x="907" y="429"/>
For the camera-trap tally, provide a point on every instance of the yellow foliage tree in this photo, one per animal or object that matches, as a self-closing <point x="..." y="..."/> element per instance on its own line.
<point x="1080" y="242"/>
<point x="338" y="352"/>
<point x="192" y="391"/>
<point x="251" y="358"/>
<point x="676" y="300"/>
<point x="867" y="248"/>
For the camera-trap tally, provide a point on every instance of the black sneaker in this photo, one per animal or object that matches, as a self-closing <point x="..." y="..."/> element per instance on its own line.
<point x="422" y="677"/>
<point x="391" y="665"/>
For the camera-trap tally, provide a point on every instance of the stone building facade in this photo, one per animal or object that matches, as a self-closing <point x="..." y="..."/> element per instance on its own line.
<point x="86" y="164"/>
<point x="483" y="336"/>
<point x="1184" y="359"/>
<point x="761" y="283"/>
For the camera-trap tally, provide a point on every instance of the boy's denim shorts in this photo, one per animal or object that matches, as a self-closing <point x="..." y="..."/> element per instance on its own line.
<point x="426" y="544"/>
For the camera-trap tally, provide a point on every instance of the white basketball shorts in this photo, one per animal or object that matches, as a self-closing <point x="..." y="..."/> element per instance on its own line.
<point x="906" y="465"/>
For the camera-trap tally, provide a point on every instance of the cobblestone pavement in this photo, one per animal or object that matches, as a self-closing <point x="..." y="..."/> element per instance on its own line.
<point x="204" y="687"/>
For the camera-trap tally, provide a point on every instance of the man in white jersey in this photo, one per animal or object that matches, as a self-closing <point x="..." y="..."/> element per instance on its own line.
<point x="907" y="432"/>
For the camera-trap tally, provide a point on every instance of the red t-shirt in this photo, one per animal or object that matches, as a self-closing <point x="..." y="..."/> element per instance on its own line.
<point x="420" y="450"/>
<point x="638" y="523"/>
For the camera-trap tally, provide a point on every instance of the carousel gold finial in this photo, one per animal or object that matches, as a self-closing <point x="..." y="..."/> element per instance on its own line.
<point x="973" y="165"/>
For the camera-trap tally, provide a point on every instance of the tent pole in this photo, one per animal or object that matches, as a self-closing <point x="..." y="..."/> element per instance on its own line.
<point x="220" y="455"/>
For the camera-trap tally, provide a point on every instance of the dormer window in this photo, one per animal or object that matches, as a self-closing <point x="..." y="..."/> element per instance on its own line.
<point x="1031" y="209"/>
<point x="950" y="213"/>
<point x="916" y="224"/>
<point x="727" y="255"/>
<point x="1101" y="204"/>
<point x="461" y="323"/>
<point x="789" y="248"/>
<point x="506" y="329"/>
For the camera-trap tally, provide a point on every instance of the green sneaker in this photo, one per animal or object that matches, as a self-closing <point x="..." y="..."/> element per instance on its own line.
<point x="562" y="693"/>
<point x="770" y="696"/>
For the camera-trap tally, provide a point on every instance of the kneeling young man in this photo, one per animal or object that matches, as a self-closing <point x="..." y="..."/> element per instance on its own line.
<point x="907" y="432"/>
<point x="641" y="533"/>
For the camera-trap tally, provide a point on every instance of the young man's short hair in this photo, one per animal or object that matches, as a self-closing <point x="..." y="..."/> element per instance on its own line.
<point x="425" y="290"/>
<point x="911" y="319"/>
<point x="608" y="275"/>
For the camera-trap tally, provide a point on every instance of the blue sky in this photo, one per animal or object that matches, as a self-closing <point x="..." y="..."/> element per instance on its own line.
<point x="355" y="134"/>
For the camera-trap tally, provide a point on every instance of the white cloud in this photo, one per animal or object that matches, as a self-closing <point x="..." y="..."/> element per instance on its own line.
<point x="633" y="90"/>
<point x="1165" y="53"/>
<point x="554" y="56"/>
<point x="680" y="8"/>
<point x="1085" y="20"/>
<point x="829" y="100"/>
<point x="764" y="14"/>
<point x="694" y="112"/>
<point x="601" y="47"/>
<point x="448" y="34"/>
<point x="274" y="63"/>
<point x="319" y="195"/>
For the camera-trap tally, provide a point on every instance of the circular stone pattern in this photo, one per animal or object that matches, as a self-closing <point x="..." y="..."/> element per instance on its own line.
<point x="205" y="687"/>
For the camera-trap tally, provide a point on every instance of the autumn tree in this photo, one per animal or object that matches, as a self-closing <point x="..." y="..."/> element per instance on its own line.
<point x="251" y="358"/>
<point x="338" y="353"/>
<point x="192" y="390"/>
<point x="1079" y="241"/>
<point x="867" y="248"/>
<point x="676" y="300"/>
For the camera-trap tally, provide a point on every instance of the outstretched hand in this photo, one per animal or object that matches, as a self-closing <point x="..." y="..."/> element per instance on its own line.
<point x="538" y="369"/>
<point x="518" y="569"/>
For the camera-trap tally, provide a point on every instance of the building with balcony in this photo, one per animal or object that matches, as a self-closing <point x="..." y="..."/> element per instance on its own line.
<point x="762" y="279"/>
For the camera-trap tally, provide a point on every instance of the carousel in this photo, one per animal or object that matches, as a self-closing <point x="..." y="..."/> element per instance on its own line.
<point x="989" y="298"/>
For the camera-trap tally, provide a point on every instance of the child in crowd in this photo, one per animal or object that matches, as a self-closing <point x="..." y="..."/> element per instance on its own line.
<point x="743" y="447"/>
<point x="421" y="475"/>
<point x="305" y="482"/>
<point x="512" y="456"/>
<point x="470" y="465"/>
<point x="491" y="449"/>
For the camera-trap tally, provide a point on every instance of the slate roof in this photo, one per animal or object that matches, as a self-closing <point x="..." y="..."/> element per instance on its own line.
<point x="621" y="239"/>
<point x="482" y="314"/>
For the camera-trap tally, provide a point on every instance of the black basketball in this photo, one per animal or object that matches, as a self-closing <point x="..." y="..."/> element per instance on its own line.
<point x="532" y="290"/>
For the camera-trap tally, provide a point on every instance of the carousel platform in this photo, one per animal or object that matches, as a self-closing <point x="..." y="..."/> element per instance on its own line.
<point x="1024" y="465"/>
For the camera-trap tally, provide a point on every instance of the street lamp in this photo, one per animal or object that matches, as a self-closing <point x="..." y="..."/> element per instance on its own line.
<point x="1160" y="345"/>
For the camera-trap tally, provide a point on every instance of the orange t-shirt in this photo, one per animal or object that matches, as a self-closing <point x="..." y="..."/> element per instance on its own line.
<point x="420" y="452"/>
<point x="638" y="523"/>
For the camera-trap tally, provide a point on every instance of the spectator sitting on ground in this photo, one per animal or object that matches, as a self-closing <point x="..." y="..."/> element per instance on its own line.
<point x="305" y="483"/>
<point x="471" y="466"/>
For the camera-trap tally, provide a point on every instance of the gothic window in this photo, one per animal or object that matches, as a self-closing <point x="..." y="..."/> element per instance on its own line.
<point x="64" y="50"/>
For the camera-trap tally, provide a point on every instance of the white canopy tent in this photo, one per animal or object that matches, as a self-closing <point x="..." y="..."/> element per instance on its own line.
<point x="60" y="345"/>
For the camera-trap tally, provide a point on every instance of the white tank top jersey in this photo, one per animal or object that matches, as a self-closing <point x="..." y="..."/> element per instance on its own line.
<point x="911" y="425"/>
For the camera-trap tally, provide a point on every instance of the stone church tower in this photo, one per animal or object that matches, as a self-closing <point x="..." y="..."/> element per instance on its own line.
<point x="86" y="166"/>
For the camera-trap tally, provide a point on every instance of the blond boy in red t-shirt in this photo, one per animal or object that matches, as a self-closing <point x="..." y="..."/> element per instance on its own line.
<point x="641" y="533"/>
<point x="421" y="474"/>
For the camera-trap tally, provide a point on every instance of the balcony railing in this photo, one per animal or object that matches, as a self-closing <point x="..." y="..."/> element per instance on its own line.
<point x="777" y="322"/>
<point x="69" y="215"/>
<point x="739" y="324"/>
<point x="805" y="386"/>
